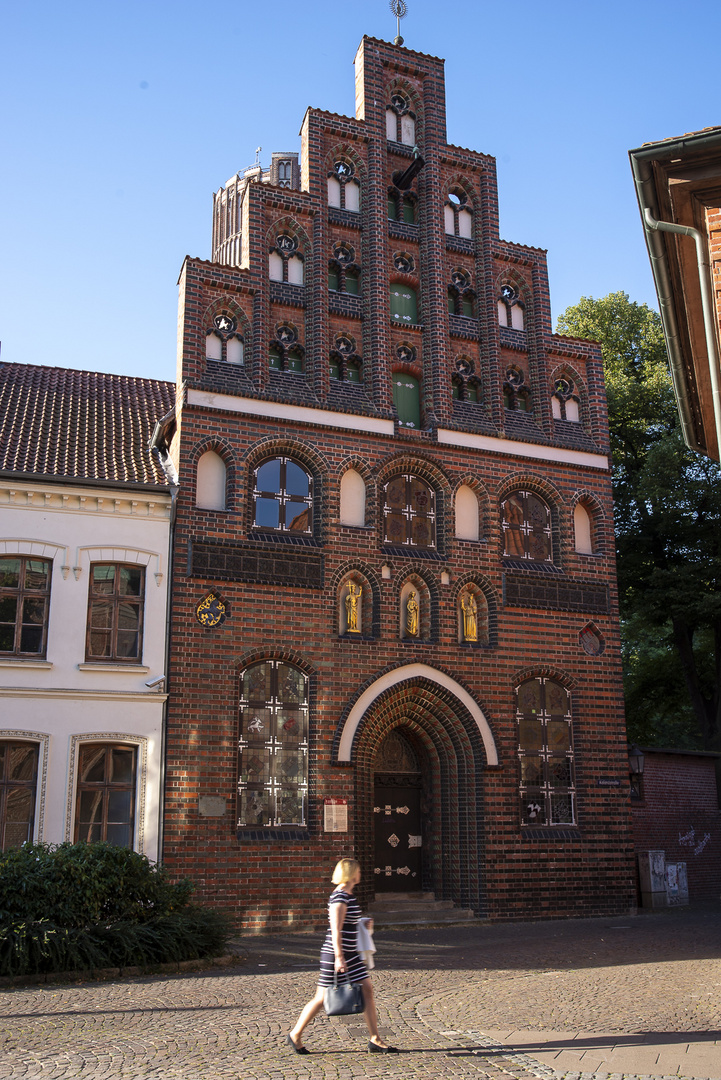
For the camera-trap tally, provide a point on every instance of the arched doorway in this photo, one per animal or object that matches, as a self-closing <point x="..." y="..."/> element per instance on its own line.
<point x="454" y="748"/>
<point x="399" y="805"/>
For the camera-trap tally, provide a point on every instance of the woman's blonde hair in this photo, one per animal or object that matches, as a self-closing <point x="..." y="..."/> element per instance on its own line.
<point x="344" y="871"/>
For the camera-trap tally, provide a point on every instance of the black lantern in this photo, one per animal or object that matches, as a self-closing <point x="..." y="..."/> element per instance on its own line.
<point x="636" y="762"/>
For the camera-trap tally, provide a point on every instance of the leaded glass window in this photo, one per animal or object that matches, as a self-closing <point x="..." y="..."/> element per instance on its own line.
<point x="18" y="779"/>
<point x="545" y="751"/>
<point x="526" y="527"/>
<point x="283" y="497"/>
<point x="410" y="512"/>
<point x="273" y="746"/>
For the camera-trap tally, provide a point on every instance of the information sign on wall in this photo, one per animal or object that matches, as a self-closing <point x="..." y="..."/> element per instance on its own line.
<point x="335" y="815"/>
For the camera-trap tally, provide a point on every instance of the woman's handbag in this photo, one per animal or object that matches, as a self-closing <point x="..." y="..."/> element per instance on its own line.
<point x="344" y="998"/>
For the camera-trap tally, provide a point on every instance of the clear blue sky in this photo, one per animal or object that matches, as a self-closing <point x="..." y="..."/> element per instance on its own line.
<point x="119" y="120"/>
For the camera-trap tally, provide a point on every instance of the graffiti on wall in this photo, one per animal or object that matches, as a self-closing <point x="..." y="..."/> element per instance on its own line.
<point x="689" y="840"/>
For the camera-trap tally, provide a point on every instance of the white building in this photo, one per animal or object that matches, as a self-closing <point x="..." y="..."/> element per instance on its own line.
<point x="85" y="512"/>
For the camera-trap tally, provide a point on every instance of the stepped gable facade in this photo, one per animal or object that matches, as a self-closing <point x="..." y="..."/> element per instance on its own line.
<point x="395" y="625"/>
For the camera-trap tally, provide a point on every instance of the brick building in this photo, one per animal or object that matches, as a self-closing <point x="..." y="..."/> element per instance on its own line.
<point x="394" y="562"/>
<point x="676" y="810"/>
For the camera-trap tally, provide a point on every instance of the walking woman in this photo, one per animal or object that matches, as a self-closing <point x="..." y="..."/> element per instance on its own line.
<point x="340" y="953"/>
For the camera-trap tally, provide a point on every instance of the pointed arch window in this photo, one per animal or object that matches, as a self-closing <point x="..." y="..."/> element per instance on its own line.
<point x="283" y="497"/>
<point x="545" y="751"/>
<point x="511" y="309"/>
<point x="526" y="524"/>
<point x="222" y="340"/>
<point x="565" y="400"/>
<point x="400" y="121"/>
<point x="343" y="187"/>
<point x="285" y="263"/>
<point x="343" y="271"/>
<point x="273" y="746"/>
<point x="458" y="214"/>
<point x="409" y="512"/>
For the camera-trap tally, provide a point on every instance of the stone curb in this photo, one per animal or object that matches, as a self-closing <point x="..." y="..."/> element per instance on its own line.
<point x="175" y="967"/>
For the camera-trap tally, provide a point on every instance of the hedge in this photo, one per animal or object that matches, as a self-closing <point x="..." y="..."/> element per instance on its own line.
<point x="83" y="906"/>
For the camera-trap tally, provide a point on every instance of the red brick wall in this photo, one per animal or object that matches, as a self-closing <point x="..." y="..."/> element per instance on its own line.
<point x="680" y="815"/>
<point x="479" y="855"/>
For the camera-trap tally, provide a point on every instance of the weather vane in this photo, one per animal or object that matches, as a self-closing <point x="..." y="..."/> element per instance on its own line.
<point x="400" y="10"/>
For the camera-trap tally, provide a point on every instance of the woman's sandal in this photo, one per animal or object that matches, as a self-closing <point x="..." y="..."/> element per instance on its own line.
<point x="298" y="1049"/>
<point x="374" y="1048"/>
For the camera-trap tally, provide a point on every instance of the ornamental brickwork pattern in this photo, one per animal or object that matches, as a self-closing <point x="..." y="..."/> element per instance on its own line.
<point x="427" y="399"/>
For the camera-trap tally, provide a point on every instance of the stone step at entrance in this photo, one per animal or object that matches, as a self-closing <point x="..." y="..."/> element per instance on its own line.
<point x="415" y="909"/>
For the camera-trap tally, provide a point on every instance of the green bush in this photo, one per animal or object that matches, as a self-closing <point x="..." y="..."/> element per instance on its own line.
<point x="38" y="947"/>
<point x="73" y="885"/>
<point x="86" y="906"/>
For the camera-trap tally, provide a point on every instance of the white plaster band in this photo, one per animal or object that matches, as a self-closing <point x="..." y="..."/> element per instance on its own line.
<point x="275" y="410"/>
<point x="538" y="451"/>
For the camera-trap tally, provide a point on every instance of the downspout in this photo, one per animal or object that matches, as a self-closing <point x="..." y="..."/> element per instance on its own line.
<point x="157" y="443"/>
<point x="174" y="490"/>
<point x="704" y="270"/>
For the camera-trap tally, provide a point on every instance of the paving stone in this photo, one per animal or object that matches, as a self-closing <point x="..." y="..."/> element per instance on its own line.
<point x="476" y="1005"/>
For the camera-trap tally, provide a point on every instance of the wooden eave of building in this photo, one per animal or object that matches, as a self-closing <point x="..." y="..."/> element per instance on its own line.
<point x="678" y="180"/>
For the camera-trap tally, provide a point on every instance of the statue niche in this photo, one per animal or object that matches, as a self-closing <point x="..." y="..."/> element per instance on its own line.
<point x="352" y="603"/>
<point x="414" y="615"/>
<point x="472" y="617"/>
<point x="355" y="607"/>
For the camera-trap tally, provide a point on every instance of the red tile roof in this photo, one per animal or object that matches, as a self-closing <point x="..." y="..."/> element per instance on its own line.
<point x="83" y="425"/>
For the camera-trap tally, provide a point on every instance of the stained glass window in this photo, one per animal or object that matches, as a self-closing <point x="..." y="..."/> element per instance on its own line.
<point x="526" y="527"/>
<point x="545" y="750"/>
<point x="273" y="746"/>
<point x="410" y="512"/>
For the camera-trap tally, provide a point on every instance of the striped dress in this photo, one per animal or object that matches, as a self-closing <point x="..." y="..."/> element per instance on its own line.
<point x="349" y="939"/>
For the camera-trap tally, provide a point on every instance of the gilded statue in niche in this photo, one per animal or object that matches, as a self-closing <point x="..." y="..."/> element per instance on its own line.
<point x="351" y="607"/>
<point x="470" y="616"/>
<point x="412" y="613"/>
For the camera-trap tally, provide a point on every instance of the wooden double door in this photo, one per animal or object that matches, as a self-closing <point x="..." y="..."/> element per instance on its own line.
<point x="398" y="813"/>
<point x="398" y="865"/>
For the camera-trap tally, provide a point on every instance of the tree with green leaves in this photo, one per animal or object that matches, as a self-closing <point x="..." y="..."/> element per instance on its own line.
<point x="668" y="533"/>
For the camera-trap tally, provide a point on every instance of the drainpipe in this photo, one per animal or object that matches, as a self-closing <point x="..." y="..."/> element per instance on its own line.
<point x="158" y="443"/>
<point x="174" y="490"/>
<point x="704" y="270"/>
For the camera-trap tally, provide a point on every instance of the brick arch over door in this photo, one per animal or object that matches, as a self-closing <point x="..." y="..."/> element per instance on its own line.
<point x="455" y="759"/>
<point x="354" y="718"/>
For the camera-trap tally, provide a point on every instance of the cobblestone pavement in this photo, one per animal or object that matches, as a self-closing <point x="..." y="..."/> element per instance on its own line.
<point x="518" y="1000"/>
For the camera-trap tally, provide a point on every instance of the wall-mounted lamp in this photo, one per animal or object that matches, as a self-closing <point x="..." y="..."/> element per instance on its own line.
<point x="636" y="761"/>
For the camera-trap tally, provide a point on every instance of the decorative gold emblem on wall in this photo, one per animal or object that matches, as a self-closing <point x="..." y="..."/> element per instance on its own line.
<point x="211" y="611"/>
